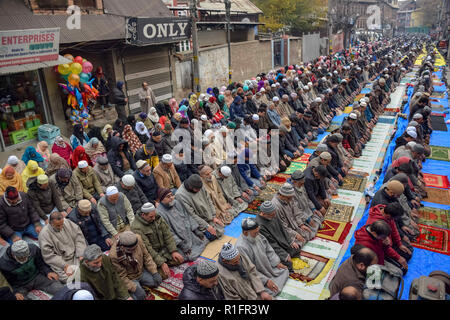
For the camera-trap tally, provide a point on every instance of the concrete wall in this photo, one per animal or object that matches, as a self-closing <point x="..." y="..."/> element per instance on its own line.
<point x="182" y="78"/>
<point x="213" y="65"/>
<point x="212" y="37"/>
<point x="250" y="58"/>
<point x="295" y="51"/>
<point x="310" y="47"/>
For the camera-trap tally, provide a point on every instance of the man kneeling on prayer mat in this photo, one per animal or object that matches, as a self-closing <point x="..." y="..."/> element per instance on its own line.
<point x="186" y="232"/>
<point x="157" y="238"/>
<point x="255" y="246"/>
<point x="201" y="282"/>
<point x="238" y="276"/>
<point x="99" y="272"/>
<point x="230" y="189"/>
<point x="293" y="219"/>
<point x="273" y="230"/>
<point x="134" y="264"/>
<point x="314" y="218"/>
<point x="62" y="244"/>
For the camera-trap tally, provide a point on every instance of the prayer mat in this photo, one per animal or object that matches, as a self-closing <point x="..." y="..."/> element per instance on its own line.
<point x="440" y="153"/>
<point x="438" y="123"/>
<point x="437" y="108"/>
<point x="348" y="109"/>
<point x="359" y="97"/>
<point x="38" y="295"/>
<point x="354" y="183"/>
<point x="434" y="217"/>
<point x="294" y="167"/>
<point x="278" y="179"/>
<point x="270" y="190"/>
<point x="389" y="120"/>
<point x="174" y="284"/>
<point x="339" y="212"/>
<point x="333" y="127"/>
<point x="253" y="207"/>
<point x="437" y="195"/>
<point x="155" y="294"/>
<point x="313" y="144"/>
<point x="436" y="181"/>
<point x="433" y="239"/>
<point x="213" y="248"/>
<point x="334" y="230"/>
<point x="310" y="268"/>
<point x="438" y="95"/>
<point x="357" y="172"/>
<point x="303" y="159"/>
<point x="437" y="114"/>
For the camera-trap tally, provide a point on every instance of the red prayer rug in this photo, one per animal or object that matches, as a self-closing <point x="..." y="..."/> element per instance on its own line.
<point x="433" y="239"/>
<point x="304" y="158"/>
<point x="279" y="179"/>
<point x="436" y="181"/>
<point x="253" y="207"/>
<point x="335" y="231"/>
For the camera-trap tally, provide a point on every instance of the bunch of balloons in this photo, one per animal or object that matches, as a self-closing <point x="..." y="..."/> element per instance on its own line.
<point x="78" y="87"/>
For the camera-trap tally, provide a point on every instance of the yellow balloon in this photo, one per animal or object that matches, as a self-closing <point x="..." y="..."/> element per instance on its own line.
<point x="76" y="68"/>
<point x="74" y="79"/>
<point x="64" y="69"/>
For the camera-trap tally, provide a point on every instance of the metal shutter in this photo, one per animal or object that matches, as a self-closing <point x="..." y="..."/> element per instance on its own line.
<point x="150" y="64"/>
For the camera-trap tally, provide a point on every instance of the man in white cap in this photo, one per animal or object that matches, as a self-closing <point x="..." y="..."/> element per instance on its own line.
<point x="134" y="264"/>
<point x="157" y="238"/>
<point x="255" y="246"/>
<point x="116" y="212"/>
<point x="127" y="185"/>
<point x="44" y="196"/>
<point x="25" y="270"/>
<point x="294" y="220"/>
<point x="16" y="163"/>
<point x="230" y="189"/>
<point x="62" y="244"/>
<point x="238" y="276"/>
<point x="188" y="237"/>
<point x="92" y="189"/>
<point x="205" y="122"/>
<point x="407" y="136"/>
<point x="166" y="175"/>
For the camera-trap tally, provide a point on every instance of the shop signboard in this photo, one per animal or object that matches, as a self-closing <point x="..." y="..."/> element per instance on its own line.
<point x="146" y="31"/>
<point x="338" y="42"/>
<point x="28" y="46"/>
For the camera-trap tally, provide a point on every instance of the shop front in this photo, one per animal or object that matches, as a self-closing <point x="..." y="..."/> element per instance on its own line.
<point x="24" y="105"/>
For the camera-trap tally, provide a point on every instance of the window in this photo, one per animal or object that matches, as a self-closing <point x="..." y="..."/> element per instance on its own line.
<point x="52" y="4"/>
<point x="184" y="46"/>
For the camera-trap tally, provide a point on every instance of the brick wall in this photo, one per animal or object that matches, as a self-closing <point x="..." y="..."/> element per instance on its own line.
<point x="250" y="58"/>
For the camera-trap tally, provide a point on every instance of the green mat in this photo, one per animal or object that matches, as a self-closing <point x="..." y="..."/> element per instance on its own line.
<point x="440" y="153"/>
<point x="434" y="217"/>
<point x="294" y="167"/>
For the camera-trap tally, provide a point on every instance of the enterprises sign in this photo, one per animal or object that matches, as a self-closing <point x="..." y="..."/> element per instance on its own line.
<point x="145" y="31"/>
<point x="28" y="46"/>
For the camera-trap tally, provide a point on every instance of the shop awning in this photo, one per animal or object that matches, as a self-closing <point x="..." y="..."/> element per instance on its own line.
<point x="32" y="66"/>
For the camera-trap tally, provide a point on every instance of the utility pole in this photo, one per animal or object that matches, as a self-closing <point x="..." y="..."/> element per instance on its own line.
<point x="228" y="19"/>
<point x="194" y="18"/>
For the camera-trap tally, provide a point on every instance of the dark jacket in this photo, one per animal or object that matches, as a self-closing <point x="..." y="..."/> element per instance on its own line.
<point x="18" y="275"/>
<point x="192" y="290"/>
<point x="347" y="275"/>
<point x="160" y="148"/>
<point x="185" y="170"/>
<point x="136" y="197"/>
<point x="44" y="200"/>
<point x="115" y="159"/>
<point x="91" y="226"/>
<point x="381" y="197"/>
<point x="18" y="217"/>
<point x="66" y="294"/>
<point x="314" y="188"/>
<point x="147" y="184"/>
<point x="236" y="109"/>
<point x="119" y="97"/>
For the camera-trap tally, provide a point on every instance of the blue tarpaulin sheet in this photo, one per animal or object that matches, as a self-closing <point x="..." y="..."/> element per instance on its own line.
<point x="435" y="166"/>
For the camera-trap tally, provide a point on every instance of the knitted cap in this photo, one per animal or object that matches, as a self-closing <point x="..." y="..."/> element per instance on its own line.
<point x="162" y="193"/>
<point x="64" y="173"/>
<point x="128" y="180"/>
<point x="111" y="190"/>
<point x="298" y="175"/>
<point x="255" y="117"/>
<point x="249" y="224"/>
<point x="417" y="116"/>
<point x="267" y="207"/>
<point x="42" y="179"/>
<point x="396" y="187"/>
<point x="167" y="158"/>
<point x="20" y="249"/>
<point x="147" y="207"/>
<point x="13" y="160"/>
<point x="418" y="148"/>
<point x="194" y="181"/>
<point x="203" y="117"/>
<point x="353" y="116"/>
<point x="322" y="147"/>
<point x="11" y="193"/>
<point x="287" y="190"/>
<point x="207" y="269"/>
<point x="412" y="133"/>
<point x="128" y="239"/>
<point x="102" y="160"/>
<point x="82" y="295"/>
<point x="229" y="251"/>
<point x="84" y="205"/>
<point x="325" y="155"/>
<point x="141" y="164"/>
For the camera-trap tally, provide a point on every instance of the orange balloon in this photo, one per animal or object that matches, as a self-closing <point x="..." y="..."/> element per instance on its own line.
<point x="74" y="79"/>
<point x="68" y="56"/>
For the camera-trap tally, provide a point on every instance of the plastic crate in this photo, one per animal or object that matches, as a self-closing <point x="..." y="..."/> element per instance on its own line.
<point x="37" y="122"/>
<point x="29" y="124"/>
<point x="3" y="125"/>
<point x="15" y="108"/>
<point x="17" y="124"/>
<point x="48" y="133"/>
<point x="30" y="104"/>
<point x="23" y="106"/>
<point x="33" y="132"/>
<point x="19" y="136"/>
